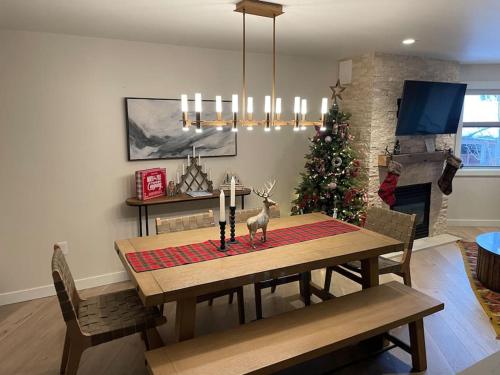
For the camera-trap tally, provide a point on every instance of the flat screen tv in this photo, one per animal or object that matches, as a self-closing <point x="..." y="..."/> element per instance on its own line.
<point x="430" y="108"/>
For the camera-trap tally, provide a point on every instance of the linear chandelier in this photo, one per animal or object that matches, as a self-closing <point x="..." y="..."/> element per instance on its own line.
<point x="272" y="105"/>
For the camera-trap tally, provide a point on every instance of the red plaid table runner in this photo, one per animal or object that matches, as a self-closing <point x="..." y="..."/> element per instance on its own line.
<point x="199" y="252"/>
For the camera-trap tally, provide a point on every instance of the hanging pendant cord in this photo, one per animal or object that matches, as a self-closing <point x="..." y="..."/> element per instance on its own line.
<point x="244" y="94"/>
<point x="273" y="93"/>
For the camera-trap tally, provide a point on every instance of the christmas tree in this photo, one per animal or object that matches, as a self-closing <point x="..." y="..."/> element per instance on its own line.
<point x="332" y="180"/>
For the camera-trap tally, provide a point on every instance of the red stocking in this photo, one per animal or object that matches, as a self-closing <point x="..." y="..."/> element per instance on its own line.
<point x="386" y="190"/>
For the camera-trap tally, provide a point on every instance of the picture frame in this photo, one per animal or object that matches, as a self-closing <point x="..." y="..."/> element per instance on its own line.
<point x="154" y="130"/>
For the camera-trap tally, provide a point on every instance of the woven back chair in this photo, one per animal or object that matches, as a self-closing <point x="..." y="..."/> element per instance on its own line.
<point x="396" y="225"/>
<point x="99" y="319"/>
<point x="243" y="215"/>
<point x="392" y="224"/>
<point x="187" y="222"/>
<point x="196" y="221"/>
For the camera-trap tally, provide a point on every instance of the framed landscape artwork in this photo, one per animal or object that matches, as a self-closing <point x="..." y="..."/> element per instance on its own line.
<point x="154" y="130"/>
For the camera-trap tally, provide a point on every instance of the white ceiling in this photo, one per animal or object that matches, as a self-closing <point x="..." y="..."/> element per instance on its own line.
<point x="463" y="30"/>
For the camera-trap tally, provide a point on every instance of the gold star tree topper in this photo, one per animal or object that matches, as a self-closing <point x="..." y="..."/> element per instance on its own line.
<point x="337" y="91"/>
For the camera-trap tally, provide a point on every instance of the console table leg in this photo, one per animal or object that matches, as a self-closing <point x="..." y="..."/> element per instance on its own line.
<point x="242" y="202"/>
<point x="147" y="220"/>
<point x="140" y="220"/>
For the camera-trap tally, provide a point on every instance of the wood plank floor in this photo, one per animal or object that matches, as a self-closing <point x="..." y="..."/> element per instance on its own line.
<point x="32" y="333"/>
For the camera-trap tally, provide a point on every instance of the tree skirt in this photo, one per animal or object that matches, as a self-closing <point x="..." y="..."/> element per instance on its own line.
<point x="489" y="299"/>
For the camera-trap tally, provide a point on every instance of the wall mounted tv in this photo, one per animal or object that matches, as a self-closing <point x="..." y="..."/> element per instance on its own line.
<point x="430" y="108"/>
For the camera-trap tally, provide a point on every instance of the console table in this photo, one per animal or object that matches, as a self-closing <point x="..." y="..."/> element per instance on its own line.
<point x="488" y="260"/>
<point x="179" y="198"/>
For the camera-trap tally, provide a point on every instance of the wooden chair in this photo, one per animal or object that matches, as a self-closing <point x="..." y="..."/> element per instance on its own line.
<point x="96" y="320"/>
<point x="390" y="223"/>
<point x="303" y="279"/>
<point x="187" y="222"/>
<point x="196" y="221"/>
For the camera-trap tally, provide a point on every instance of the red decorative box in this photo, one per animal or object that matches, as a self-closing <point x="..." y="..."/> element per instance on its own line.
<point x="150" y="183"/>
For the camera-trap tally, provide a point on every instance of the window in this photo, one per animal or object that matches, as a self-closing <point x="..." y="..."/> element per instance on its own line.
<point x="480" y="145"/>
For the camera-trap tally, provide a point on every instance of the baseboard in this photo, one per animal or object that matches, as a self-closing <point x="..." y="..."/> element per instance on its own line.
<point x="48" y="290"/>
<point x="473" y="223"/>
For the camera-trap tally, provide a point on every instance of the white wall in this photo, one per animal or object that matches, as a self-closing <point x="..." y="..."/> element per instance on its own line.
<point x="63" y="159"/>
<point x="475" y="199"/>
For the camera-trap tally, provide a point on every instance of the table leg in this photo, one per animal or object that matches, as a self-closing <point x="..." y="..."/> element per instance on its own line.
<point x="147" y="220"/>
<point x="154" y="339"/>
<point x="140" y="221"/>
<point x="417" y="345"/>
<point x="305" y="287"/>
<point x="369" y="272"/>
<point x="185" y="316"/>
<point x="242" y="202"/>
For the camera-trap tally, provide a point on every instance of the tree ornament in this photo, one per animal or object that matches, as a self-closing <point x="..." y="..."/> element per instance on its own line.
<point x="328" y="139"/>
<point x="332" y="185"/>
<point x="337" y="162"/>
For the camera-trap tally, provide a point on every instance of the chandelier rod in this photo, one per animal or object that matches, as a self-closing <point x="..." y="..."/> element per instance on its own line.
<point x="244" y="94"/>
<point x="273" y="92"/>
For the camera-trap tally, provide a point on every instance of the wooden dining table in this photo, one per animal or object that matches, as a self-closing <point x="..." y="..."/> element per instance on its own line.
<point x="184" y="283"/>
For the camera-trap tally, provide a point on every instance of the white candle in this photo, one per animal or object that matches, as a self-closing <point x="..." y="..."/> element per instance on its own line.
<point x="189" y="160"/>
<point x="183" y="169"/>
<point x="178" y="179"/>
<point x="233" y="192"/>
<point x="199" y="159"/>
<point x="194" y="151"/>
<point x="205" y="168"/>
<point x="296" y="105"/>
<point x="222" y="208"/>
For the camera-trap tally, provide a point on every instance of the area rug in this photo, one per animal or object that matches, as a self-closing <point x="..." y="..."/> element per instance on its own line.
<point x="489" y="300"/>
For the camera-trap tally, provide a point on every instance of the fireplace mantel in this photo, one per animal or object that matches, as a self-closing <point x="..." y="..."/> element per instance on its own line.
<point x="417" y="157"/>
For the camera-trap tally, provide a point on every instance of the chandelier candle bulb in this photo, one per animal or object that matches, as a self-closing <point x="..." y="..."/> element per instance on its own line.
<point x="278" y="108"/>
<point x="197" y="102"/>
<point x="267" y="104"/>
<point x="199" y="159"/>
<point x="183" y="169"/>
<point x="178" y="179"/>
<point x="184" y="103"/>
<point x="218" y="110"/>
<point x="303" y="108"/>
<point x="296" y="105"/>
<point x="250" y="110"/>
<point x="194" y="151"/>
<point x="234" y="103"/>
<point x="189" y="162"/>
<point x="324" y="106"/>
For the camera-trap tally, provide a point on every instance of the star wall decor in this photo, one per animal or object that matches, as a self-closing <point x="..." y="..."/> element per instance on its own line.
<point x="337" y="91"/>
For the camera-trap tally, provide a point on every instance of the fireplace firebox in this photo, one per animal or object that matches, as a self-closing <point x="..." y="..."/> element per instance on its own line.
<point x="415" y="199"/>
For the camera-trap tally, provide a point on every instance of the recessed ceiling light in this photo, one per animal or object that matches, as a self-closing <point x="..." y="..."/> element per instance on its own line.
<point x="408" y="41"/>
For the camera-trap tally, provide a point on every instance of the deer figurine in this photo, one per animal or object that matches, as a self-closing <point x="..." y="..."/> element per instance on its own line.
<point x="261" y="220"/>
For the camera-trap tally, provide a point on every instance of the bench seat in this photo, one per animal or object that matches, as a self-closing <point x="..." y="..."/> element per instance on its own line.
<point x="276" y="343"/>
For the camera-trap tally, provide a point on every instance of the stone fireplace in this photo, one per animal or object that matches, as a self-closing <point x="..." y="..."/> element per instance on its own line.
<point x="371" y="98"/>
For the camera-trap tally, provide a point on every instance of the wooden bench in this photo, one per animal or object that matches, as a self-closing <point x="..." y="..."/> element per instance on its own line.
<point x="276" y="343"/>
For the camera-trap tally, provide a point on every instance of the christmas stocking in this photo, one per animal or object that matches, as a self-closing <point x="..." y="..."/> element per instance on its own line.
<point x="386" y="190"/>
<point x="452" y="165"/>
